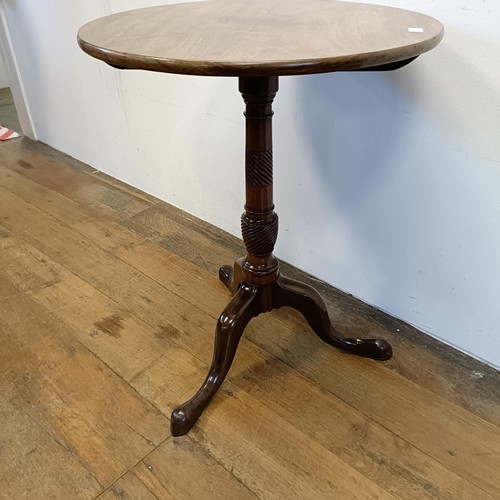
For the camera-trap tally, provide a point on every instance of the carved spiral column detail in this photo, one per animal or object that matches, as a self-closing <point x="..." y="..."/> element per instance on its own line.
<point x="259" y="235"/>
<point x="259" y="223"/>
<point x="259" y="167"/>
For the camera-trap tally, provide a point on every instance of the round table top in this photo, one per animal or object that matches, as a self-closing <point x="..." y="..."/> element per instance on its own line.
<point x="259" y="37"/>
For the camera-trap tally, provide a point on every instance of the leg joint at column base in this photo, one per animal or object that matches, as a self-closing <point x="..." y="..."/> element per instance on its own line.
<point x="258" y="270"/>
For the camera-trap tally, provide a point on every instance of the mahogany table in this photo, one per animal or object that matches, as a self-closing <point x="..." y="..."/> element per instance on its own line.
<point x="258" y="41"/>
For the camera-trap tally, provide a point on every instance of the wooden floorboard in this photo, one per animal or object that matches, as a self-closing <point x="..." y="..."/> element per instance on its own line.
<point x="178" y="469"/>
<point x="108" y="300"/>
<point x="445" y="371"/>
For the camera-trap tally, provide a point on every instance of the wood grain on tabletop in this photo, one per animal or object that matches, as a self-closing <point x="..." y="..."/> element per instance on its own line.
<point x="283" y="37"/>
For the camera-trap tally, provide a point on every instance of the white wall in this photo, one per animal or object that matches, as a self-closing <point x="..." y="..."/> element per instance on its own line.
<point x="13" y="73"/>
<point x="399" y="173"/>
<point x="4" y="81"/>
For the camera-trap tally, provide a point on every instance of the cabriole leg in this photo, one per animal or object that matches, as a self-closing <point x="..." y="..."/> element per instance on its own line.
<point x="307" y="300"/>
<point x="230" y="326"/>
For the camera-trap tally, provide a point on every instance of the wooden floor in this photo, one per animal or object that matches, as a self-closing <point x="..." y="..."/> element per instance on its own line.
<point x="108" y="302"/>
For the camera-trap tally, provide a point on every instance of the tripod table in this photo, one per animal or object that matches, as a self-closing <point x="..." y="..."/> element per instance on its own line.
<point x="258" y="41"/>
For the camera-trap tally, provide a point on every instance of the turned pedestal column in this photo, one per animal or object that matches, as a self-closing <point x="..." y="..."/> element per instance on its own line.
<point x="255" y="280"/>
